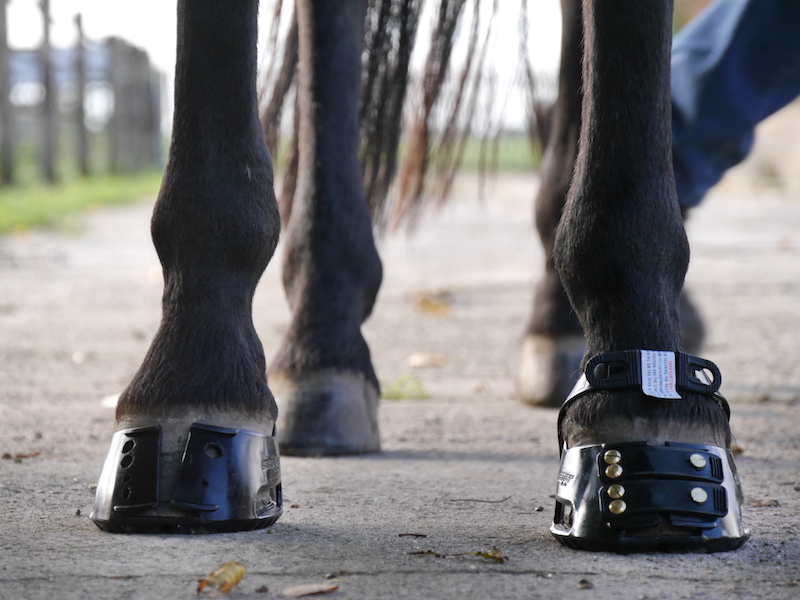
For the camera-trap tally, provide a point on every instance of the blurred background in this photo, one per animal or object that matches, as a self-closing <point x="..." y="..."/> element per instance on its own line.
<point x="86" y="100"/>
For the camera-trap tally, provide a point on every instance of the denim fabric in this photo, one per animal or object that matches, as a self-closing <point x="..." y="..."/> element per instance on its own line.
<point x="732" y="66"/>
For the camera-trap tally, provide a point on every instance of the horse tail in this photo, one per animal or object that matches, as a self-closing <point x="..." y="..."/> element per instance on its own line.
<point x="420" y="154"/>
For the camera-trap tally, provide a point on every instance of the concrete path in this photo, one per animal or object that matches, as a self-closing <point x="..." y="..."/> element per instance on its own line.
<point x="77" y="311"/>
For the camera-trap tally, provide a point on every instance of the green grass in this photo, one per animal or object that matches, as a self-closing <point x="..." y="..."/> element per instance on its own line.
<point x="407" y="387"/>
<point x="34" y="204"/>
<point x="508" y="153"/>
<point x="39" y="205"/>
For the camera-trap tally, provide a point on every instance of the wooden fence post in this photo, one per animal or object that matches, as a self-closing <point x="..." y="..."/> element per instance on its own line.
<point x="50" y="114"/>
<point x="80" y="109"/>
<point x="6" y="116"/>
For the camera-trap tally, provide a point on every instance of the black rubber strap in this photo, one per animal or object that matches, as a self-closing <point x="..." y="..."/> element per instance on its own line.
<point x="643" y="461"/>
<point x="647" y="499"/>
<point x="618" y="370"/>
<point x="624" y="369"/>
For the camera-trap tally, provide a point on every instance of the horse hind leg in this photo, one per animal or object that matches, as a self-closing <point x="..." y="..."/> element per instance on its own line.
<point x="553" y="344"/>
<point x="322" y="376"/>
<point x="658" y="460"/>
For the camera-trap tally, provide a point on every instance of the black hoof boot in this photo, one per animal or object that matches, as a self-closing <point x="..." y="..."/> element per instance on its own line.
<point x="647" y="491"/>
<point x="638" y="497"/>
<point x="203" y="479"/>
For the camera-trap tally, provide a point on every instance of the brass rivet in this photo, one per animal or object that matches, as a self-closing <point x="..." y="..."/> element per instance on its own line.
<point x="699" y="495"/>
<point x="617" y="507"/>
<point x="612" y="457"/>
<point x="698" y="461"/>
<point x="613" y="471"/>
<point x="616" y="491"/>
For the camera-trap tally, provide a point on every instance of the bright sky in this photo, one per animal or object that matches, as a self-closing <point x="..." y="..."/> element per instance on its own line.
<point x="151" y="25"/>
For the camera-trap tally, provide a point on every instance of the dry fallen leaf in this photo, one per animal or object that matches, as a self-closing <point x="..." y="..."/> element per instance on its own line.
<point x="225" y="578"/>
<point x="420" y="360"/>
<point x="434" y="303"/>
<point x="764" y="502"/>
<point x="736" y="449"/>
<point x="309" y="589"/>
<point x="493" y="554"/>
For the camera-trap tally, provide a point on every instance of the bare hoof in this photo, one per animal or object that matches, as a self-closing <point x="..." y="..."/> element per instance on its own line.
<point x="190" y="474"/>
<point x="548" y="369"/>
<point x="647" y="474"/>
<point x="326" y="414"/>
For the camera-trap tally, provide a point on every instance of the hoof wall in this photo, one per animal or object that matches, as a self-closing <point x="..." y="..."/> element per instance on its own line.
<point x="634" y="497"/>
<point x="228" y="480"/>
<point x="549" y="368"/>
<point x="327" y="414"/>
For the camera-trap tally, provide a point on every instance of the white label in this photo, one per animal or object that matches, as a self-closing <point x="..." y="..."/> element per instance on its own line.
<point x="658" y="374"/>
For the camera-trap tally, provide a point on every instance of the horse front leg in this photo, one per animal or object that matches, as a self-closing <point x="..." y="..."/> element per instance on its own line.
<point x="645" y="438"/>
<point x="322" y="376"/>
<point x="195" y="450"/>
<point x="553" y="345"/>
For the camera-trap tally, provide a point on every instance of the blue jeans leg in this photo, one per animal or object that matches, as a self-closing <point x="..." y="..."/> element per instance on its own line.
<point x="734" y="65"/>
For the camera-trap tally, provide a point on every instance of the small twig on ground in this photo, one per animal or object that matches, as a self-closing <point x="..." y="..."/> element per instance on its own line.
<point x="427" y="553"/>
<point x="493" y="554"/>
<point x="20" y="455"/>
<point x="478" y="500"/>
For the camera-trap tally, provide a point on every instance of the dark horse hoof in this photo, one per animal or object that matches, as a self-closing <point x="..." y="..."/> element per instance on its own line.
<point x="329" y="413"/>
<point x="637" y="497"/>
<point x="227" y="479"/>
<point x="648" y="496"/>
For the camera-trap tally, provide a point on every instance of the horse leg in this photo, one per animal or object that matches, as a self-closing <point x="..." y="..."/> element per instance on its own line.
<point x="654" y="452"/>
<point x="322" y="376"/>
<point x="553" y="344"/>
<point x="195" y="448"/>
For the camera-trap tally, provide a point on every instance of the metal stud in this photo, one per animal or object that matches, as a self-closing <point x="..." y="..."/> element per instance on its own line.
<point x="613" y="471"/>
<point x="612" y="457"/>
<point x="617" y="507"/>
<point x="616" y="491"/>
<point x="698" y="461"/>
<point x="699" y="495"/>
